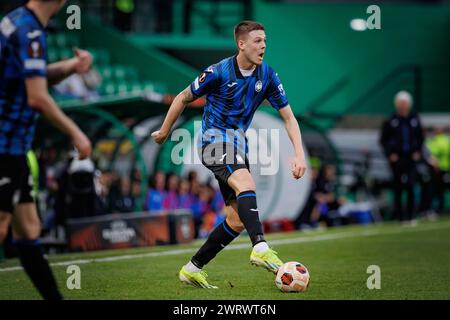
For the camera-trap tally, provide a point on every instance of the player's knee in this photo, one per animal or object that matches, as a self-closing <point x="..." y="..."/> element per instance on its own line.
<point x="247" y="186"/>
<point x="242" y="181"/>
<point x="30" y="232"/>
<point x="34" y="232"/>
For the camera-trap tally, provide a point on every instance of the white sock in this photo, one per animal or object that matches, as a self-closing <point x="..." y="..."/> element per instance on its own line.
<point x="190" y="267"/>
<point x="261" y="247"/>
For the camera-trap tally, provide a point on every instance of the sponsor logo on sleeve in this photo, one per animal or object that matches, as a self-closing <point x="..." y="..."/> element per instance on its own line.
<point x="202" y="77"/>
<point x="35" y="50"/>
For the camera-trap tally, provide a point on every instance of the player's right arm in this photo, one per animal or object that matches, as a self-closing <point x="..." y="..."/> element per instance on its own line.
<point x="203" y="84"/>
<point x="40" y="100"/>
<point x="175" y="110"/>
<point x="31" y="51"/>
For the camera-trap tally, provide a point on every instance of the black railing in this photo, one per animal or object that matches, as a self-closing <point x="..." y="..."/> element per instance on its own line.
<point x="419" y="86"/>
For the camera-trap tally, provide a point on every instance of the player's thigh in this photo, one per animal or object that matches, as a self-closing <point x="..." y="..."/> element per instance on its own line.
<point x="5" y="219"/>
<point x="233" y="220"/>
<point x="25" y="222"/>
<point x="241" y="180"/>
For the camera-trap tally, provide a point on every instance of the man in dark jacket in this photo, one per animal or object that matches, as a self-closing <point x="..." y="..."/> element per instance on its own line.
<point x="402" y="140"/>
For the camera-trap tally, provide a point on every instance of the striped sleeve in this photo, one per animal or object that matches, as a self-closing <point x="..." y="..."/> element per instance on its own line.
<point x="31" y="47"/>
<point x="275" y="93"/>
<point x="206" y="82"/>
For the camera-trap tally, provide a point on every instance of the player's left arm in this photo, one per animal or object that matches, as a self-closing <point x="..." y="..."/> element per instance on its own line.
<point x="277" y="98"/>
<point x="293" y="130"/>
<point x="58" y="71"/>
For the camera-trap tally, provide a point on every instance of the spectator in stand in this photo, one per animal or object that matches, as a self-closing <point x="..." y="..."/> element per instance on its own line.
<point x="217" y="202"/>
<point x="326" y="196"/>
<point x="156" y="193"/>
<point x="123" y="14"/>
<point x="303" y="220"/>
<point x="439" y="147"/>
<point x="171" y="200"/>
<point x="185" y="199"/>
<point x="193" y="176"/>
<point x="136" y="191"/>
<point x="200" y="205"/>
<point x="80" y="86"/>
<point x="207" y="219"/>
<point x="426" y="176"/>
<point x="102" y="182"/>
<point x="213" y="214"/>
<point x="402" y="140"/>
<point x="124" y="202"/>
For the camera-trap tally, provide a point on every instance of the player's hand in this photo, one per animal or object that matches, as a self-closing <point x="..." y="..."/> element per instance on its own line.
<point x="83" y="145"/>
<point x="159" y="136"/>
<point x="416" y="156"/>
<point x="83" y="60"/>
<point x="298" y="167"/>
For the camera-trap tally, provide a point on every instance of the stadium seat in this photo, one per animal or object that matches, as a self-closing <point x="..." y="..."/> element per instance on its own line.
<point x="105" y="72"/>
<point x="65" y="40"/>
<point x="101" y="57"/>
<point x="122" y="87"/>
<point x="107" y="88"/>
<point x="119" y="73"/>
<point x="136" y="87"/>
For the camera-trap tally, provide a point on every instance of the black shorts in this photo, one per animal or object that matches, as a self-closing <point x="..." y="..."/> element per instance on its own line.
<point x="224" y="159"/>
<point x="16" y="182"/>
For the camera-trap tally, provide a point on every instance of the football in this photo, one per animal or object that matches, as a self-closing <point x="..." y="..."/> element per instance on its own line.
<point x="292" y="277"/>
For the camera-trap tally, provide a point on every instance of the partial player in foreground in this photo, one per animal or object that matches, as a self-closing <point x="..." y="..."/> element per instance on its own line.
<point x="24" y="80"/>
<point x="234" y="89"/>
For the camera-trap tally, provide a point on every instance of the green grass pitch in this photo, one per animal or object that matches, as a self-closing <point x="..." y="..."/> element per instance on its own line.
<point x="414" y="262"/>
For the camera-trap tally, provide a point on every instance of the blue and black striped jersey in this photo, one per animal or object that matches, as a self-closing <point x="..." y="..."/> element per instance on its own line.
<point x="22" y="55"/>
<point x="232" y="99"/>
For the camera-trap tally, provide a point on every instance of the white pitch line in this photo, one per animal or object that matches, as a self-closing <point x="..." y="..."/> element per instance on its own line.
<point x="279" y="242"/>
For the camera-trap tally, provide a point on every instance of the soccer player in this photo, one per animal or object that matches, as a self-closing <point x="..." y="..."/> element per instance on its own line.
<point x="24" y="79"/>
<point x="234" y="89"/>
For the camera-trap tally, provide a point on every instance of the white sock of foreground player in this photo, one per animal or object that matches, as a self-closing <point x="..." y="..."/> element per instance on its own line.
<point x="190" y="267"/>
<point x="261" y="247"/>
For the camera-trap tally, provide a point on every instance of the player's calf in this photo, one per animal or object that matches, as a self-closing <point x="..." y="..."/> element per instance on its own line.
<point x="219" y="238"/>
<point x="26" y="229"/>
<point x="4" y="223"/>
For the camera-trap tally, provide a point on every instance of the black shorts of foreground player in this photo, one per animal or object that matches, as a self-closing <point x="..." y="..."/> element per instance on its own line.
<point x="24" y="80"/>
<point x="234" y="89"/>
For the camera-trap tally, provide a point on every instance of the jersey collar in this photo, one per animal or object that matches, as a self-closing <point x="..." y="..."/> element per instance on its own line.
<point x="238" y="72"/>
